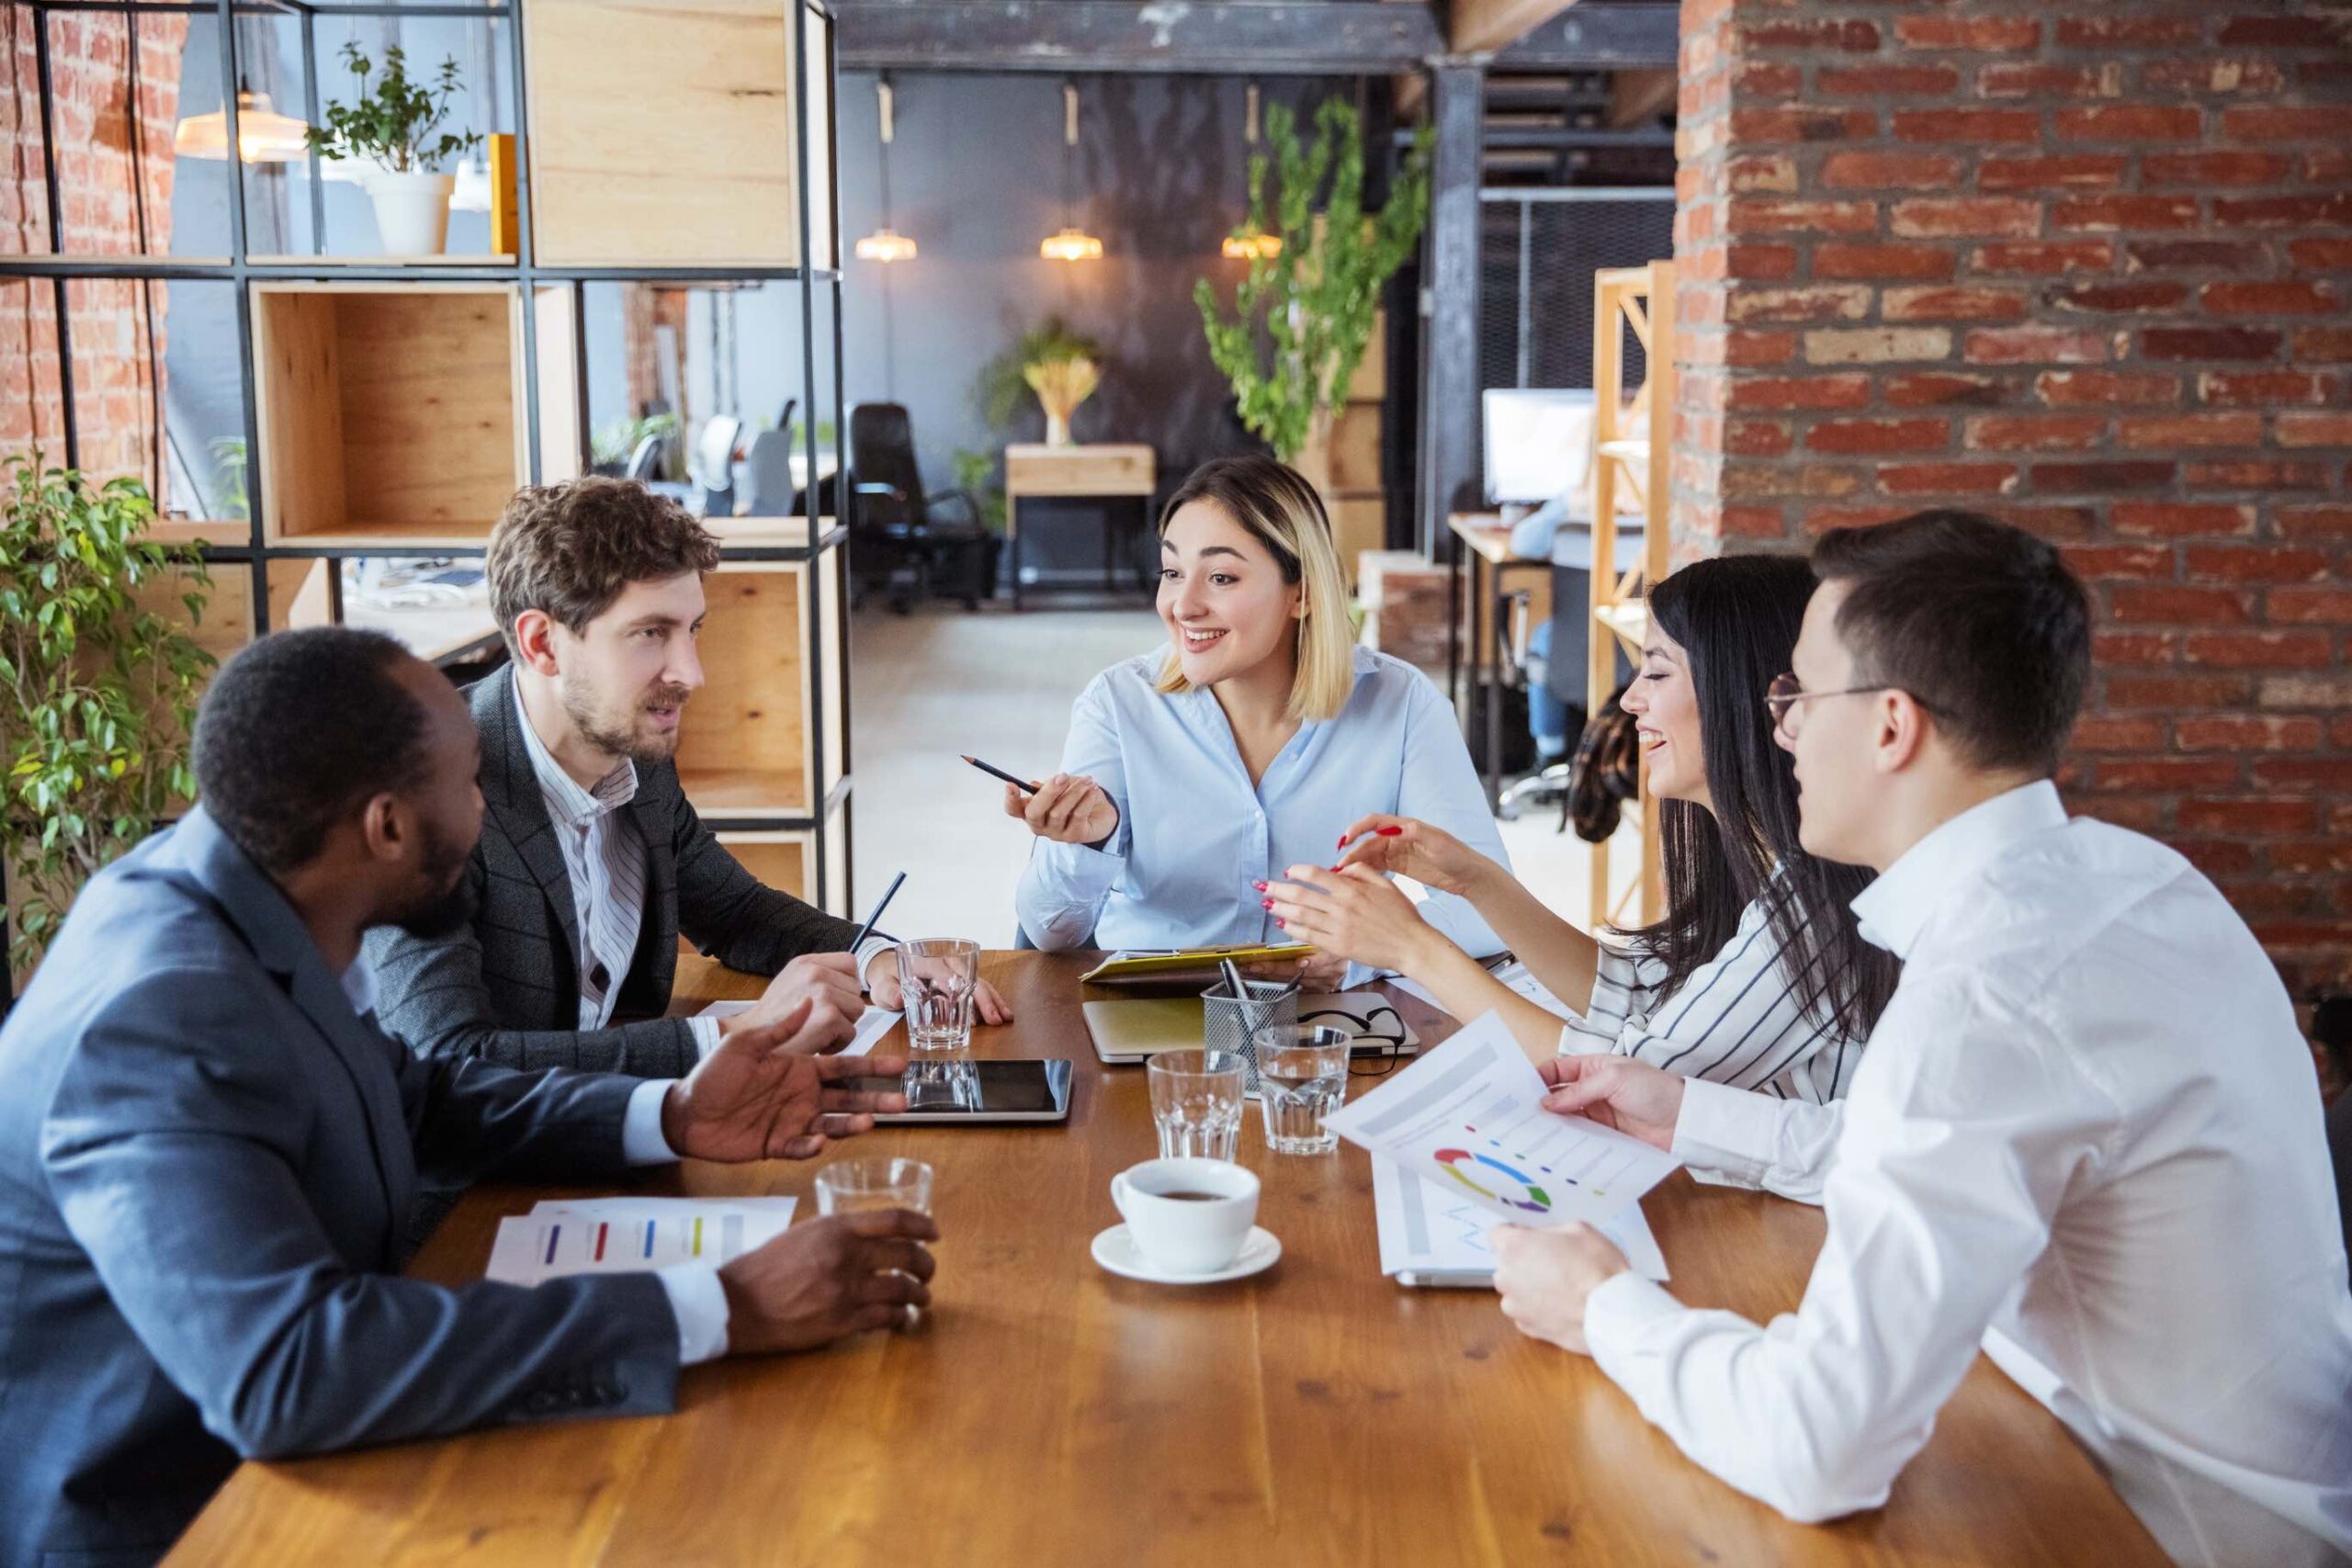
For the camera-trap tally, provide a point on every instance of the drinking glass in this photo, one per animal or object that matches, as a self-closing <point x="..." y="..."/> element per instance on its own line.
<point x="852" y="1186"/>
<point x="1302" y="1077"/>
<point x="936" y="977"/>
<point x="1197" y="1103"/>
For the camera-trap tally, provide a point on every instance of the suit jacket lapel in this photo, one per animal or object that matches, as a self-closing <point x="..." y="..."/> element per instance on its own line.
<point x="510" y="789"/>
<point x="283" y="945"/>
<point x="655" y="818"/>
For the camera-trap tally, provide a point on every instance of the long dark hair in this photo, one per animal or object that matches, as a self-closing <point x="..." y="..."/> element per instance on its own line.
<point x="1736" y="618"/>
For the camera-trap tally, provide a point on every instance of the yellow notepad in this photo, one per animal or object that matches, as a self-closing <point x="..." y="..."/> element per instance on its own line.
<point x="1191" y="961"/>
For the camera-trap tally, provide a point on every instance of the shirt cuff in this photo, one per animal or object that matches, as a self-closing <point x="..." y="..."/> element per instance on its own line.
<point x="1615" y="980"/>
<point x="641" y="1139"/>
<point x="869" y="950"/>
<point x="699" y="1303"/>
<point x="1730" y="1130"/>
<point x="705" y="1033"/>
<point x="1616" y="1312"/>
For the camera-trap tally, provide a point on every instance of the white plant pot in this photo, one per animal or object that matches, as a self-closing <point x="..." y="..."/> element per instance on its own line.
<point x="412" y="211"/>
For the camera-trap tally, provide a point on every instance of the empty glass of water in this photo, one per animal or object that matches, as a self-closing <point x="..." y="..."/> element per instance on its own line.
<point x="1302" y="1077"/>
<point x="936" y="977"/>
<point x="1197" y="1103"/>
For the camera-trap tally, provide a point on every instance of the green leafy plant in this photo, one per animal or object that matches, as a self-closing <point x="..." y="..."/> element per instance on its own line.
<point x="617" y="442"/>
<point x="1005" y="382"/>
<point x="392" y="123"/>
<point x="97" y="691"/>
<point x="976" y="473"/>
<point x="1301" y="316"/>
<point x="228" y="451"/>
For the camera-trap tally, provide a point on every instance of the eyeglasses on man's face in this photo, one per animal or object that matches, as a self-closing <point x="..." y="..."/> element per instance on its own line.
<point x="1786" y="697"/>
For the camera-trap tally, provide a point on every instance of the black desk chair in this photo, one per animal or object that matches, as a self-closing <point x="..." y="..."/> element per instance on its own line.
<point x="897" y="523"/>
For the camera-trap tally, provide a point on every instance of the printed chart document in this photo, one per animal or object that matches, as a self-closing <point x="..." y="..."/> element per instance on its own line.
<point x="1469" y="1118"/>
<point x="1433" y="1237"/>
<point x="872" y="1024"/>
<point x="622" y="1236"/>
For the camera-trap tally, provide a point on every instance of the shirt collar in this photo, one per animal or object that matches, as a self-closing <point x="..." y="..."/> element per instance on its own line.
<point x="360" y="985"/>
<point x="566" y="800"/>
<point x="1893" y="910"/>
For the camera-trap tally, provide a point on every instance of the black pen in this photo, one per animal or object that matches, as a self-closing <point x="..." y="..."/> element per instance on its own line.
<point x="1022" y="785"/>
<point x="880" y="905"/>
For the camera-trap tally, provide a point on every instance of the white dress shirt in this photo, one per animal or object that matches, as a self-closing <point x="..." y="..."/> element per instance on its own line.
<point x="2087" y="1136"/>
<point x="697" y="1298"/>
<point x="1735" y="1020"/>
<point x="1194" y="832"/>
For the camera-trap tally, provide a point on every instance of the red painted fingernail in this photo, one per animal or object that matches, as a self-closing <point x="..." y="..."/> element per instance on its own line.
<point x="1259" y="886"/>
<point x="1343" y="840"/>
<point x="1269" y="903"/>
<point x="1389" y="832"/>
<point x="1282" y="923"/>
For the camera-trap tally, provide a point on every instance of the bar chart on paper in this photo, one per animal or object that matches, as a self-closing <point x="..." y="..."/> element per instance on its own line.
<point x="1469" y="1119"/>
<point x="625" y="1235"/>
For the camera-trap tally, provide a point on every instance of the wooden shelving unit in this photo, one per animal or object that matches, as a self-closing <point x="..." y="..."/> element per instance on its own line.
<point x="1358" y="503"/>
<point x="1634" y="446"/>
<point x="391" y="404"/>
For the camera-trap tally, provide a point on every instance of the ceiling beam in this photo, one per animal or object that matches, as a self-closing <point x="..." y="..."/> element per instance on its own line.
<point x="1260" y="37"/>
<point x="1481" y="27"/>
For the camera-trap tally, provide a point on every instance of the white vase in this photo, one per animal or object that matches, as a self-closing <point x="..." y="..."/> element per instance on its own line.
<point x="412" y="211"/>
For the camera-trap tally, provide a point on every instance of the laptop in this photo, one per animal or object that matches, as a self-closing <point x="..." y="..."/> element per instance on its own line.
<point x="1133" y="1031"/>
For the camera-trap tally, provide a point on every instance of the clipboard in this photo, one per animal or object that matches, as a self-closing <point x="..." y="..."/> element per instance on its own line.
<point x="1185" y="964"/>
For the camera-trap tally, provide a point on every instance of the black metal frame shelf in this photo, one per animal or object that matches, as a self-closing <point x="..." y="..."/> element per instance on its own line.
<point x="60" y="269"/>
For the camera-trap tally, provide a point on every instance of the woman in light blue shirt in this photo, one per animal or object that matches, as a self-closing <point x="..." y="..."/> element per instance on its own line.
<point x="1249" y="744"/>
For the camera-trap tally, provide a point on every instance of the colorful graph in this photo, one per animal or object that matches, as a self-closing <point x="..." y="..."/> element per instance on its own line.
<point x="1536" y="1202"/>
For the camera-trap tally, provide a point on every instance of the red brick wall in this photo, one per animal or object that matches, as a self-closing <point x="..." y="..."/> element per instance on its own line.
<point x="2087" y="266"/>
<point x="116" y="389"/>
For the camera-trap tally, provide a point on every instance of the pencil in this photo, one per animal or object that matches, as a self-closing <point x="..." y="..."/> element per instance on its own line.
<point x="880" y="905"/>
<point x="1022" y="785"/>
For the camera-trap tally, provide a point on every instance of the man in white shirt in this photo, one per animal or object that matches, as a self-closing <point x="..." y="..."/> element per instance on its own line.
<point x="2086" y="1134"/>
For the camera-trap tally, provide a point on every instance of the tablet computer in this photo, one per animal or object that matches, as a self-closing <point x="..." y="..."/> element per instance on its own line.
<point x="965" y="1093"/>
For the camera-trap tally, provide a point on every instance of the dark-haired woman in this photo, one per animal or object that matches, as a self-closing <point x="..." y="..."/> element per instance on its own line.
<point x="1756" y="977"/>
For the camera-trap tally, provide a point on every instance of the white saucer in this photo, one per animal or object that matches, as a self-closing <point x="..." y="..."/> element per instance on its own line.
<point x="1116" y="1249"/>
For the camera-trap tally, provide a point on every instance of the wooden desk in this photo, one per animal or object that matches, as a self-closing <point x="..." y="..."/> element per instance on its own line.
<point x="1056" y="1416"/>
<point x="1108" y="469"/>
<point x="1483" y="543"/>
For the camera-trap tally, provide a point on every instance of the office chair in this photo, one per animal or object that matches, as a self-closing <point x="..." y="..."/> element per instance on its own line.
<point x="713" y="464"/>
<point x="898" y="523"/>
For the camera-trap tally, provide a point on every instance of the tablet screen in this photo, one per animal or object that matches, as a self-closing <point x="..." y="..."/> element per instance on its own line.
<point x="996" y="1089"/>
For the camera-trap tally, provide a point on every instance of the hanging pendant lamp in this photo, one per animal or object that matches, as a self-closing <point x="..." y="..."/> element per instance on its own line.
<point x="264" y="136"/>
<point x="886" y="244"/>
<point x="1248" y="242"/>
<point x="1072" y="244"/>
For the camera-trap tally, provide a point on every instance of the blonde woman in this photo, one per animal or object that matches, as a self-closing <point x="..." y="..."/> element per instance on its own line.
<point x="1248" y="745"/>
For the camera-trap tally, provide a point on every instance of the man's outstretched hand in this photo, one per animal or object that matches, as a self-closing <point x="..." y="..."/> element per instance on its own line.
<point x="759" y="1096"/>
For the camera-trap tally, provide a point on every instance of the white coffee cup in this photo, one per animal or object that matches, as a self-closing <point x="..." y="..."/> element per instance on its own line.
<point x="1198" y="1233"/>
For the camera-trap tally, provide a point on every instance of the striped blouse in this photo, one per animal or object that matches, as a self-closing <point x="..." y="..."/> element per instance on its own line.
<point x="1735" y="1020"/>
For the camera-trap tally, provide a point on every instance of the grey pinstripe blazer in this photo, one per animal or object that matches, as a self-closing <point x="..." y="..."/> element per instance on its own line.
<point x="507" y="989"/>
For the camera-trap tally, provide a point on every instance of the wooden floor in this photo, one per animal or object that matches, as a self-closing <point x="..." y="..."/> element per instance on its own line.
<point x="928" y="685"/>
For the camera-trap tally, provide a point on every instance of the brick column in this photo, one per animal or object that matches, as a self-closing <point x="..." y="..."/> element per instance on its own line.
<point x="2084" y="266"/>
<point x="117" y="383"/>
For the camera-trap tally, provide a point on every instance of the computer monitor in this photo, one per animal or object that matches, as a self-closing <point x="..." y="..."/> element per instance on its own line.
<point x="1538" y="443"/>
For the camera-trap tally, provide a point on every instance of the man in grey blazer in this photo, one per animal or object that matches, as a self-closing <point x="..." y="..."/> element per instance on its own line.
<point x="591" y="860"/>
<point x="207" y="1150"/>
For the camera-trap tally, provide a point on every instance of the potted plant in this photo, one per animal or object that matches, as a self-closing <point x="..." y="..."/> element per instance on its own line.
<point x="392" y="128"/>
<point x="97" y="691"/>
<point x="1303" y="315"/>
<point x="1061" y="366"/>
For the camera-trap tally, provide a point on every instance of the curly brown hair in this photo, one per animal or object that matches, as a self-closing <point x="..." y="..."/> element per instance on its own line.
<point x="570" y="550"/>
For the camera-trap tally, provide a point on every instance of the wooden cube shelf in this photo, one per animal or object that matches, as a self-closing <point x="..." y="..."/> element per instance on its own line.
<point x="663" y="133"/>
<point x="744" y="748"/>
<point x="392" y="415"/>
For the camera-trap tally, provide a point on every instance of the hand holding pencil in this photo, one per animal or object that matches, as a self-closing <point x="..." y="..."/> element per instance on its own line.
<point x="1068" y="808"/>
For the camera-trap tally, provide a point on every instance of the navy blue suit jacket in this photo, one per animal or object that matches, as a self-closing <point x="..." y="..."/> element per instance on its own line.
<point x="207" y="1160"/>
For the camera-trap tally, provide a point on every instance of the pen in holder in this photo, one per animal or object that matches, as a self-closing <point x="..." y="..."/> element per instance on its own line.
<point x="1231" y="1022"/>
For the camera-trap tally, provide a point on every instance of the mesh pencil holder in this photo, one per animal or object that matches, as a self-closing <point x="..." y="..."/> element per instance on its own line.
<point x="1231" y="1023"/>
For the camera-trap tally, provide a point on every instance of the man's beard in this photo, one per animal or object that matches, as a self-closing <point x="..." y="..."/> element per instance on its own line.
<point x="447" y="910"/>
<point x="617" y="735"/>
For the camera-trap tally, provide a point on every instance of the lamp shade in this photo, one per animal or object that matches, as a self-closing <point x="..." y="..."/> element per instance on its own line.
<point x="1070" y="245"/>
<point x="264" y="136"/>
<point x="885" y="245"/>
<point x="1249" y="244"/>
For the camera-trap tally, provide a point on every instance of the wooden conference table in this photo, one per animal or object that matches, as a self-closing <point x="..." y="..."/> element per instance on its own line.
<point x="1055" y="1415"/>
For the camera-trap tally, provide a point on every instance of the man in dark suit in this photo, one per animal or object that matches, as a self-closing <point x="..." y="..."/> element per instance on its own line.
<point x="209" y="1151"/>
<point x="591" y="860"/>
